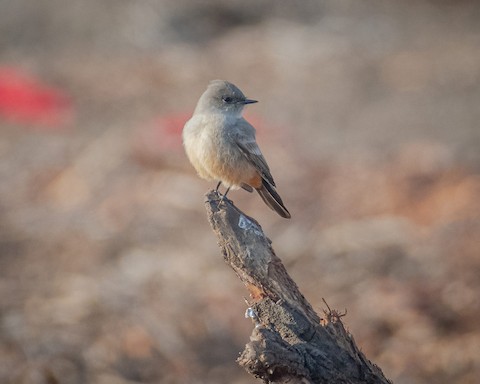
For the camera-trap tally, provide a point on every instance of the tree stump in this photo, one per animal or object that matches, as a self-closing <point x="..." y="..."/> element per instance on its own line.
<point x="290" y="343"/>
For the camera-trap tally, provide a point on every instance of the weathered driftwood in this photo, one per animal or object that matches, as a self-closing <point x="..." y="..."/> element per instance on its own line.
<point x="290" y="342"/>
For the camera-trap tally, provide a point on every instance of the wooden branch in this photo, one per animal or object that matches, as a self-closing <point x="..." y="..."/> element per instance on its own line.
<point x="290" y="342"/>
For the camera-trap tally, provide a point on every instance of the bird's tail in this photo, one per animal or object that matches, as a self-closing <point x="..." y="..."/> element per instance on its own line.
<point x="270" y="196"/>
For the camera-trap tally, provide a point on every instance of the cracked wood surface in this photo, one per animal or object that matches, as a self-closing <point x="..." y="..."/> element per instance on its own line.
<point x="290" y="343"/>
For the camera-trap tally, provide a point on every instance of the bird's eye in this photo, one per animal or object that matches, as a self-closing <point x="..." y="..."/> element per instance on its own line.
<point x="227" y="99"/>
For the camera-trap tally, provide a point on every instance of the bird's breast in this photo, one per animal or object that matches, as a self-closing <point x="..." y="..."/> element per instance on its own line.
<point x="210" y="144"/>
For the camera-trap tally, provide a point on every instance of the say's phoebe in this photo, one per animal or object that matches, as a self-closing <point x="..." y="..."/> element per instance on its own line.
<point x="221" y="145"/>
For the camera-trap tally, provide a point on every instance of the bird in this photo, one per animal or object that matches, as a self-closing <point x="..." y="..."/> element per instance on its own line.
<point x="221" y="145"/>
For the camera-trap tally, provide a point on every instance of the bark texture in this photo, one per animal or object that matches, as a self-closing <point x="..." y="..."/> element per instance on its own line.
<point x="290" y="343"/>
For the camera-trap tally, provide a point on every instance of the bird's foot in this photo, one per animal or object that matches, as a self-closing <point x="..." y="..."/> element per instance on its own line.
<point x="224" y="199"/>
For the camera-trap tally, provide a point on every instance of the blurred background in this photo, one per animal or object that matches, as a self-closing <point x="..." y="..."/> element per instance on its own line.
<point x="369" y="118"/>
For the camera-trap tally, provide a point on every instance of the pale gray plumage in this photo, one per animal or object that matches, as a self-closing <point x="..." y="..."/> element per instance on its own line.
<point x="221" y="144"/>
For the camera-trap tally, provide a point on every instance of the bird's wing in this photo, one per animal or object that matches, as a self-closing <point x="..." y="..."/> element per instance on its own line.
<point x="249" y="147"/>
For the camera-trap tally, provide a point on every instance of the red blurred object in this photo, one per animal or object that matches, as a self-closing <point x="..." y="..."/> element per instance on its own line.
<point x="24" y="99"/>
<point x="160" y="141"/>
<point x="166" y="131"/>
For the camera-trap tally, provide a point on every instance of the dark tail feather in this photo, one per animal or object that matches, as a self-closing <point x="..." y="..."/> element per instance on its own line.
<point x="272" y="199"/>
<point x="246" y="187"/>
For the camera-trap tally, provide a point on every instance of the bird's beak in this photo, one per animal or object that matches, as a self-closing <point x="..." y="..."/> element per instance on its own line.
<point x="249" y="101"/>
